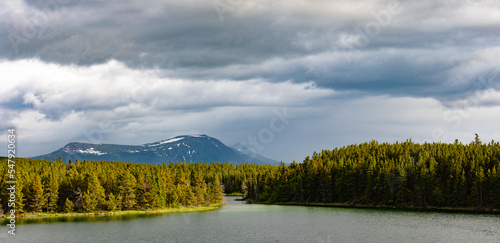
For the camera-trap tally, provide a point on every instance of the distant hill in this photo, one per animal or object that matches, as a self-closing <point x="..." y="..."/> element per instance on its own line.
<point x="192" y="149"/>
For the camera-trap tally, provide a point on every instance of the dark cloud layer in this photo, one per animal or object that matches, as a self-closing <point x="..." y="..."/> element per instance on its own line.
<point x="341" y="45"/>
<point x="324" y="52"/>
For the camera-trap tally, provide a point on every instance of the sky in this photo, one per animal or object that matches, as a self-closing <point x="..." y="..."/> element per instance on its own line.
<point x="282" y="78"/>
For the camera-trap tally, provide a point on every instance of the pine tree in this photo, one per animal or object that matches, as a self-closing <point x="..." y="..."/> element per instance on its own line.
<point x="52" y="194"/>
<point x="201" y="190"/>
<point x="218" y="190"/>
<point x="112" y="203"/>
<point x="38" y="200"/>
<point x="68" y="206"/>
<point x="95" y="188"/>
<point x="20" y="198"/>
<point x="177" y="196"/>
<point x="127" y="191"/>
<point x="143" y="194"/>
<point x="90" y="201"/>
<point x="171" y="196"/>
<point x="155" y="195"/>
<point x="477" y="140"/>
<point x="190" y="197"/>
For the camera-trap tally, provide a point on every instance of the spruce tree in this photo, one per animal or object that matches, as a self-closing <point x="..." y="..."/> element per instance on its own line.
<point x="95" y="188"/>
<point x="190" y="197"/>
<point x="218" y="190"/>
<point x="477" y="141"/>
<point x="112" y="203"/>
<point x="89" y="201"/>
<point x="38" y="199"/>
<point x="142" y="192"/>
<point x="20" y="198"/>
<point x="201" y="190"/>
<point x="68" y="206"/>
<point x="52" y="194"/>
<point x="127" y="191"/>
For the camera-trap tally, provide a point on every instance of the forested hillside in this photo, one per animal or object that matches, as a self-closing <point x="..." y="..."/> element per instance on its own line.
<point x="407" y="175"/>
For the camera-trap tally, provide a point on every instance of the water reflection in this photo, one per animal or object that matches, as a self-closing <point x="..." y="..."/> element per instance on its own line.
<point x="87" y="218"/>
<point x="238" y="222"/>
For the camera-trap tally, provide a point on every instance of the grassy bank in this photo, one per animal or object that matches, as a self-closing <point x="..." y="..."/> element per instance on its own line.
<point x="126" y="212"/>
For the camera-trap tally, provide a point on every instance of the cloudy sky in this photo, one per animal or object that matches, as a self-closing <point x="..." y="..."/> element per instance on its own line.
<point x="284" y="78"/>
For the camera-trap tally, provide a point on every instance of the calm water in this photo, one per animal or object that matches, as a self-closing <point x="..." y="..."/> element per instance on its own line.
<point x="239" y="222"/>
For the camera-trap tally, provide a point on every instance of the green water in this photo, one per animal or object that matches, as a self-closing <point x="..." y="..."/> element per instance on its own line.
<point x="239" y="222"/>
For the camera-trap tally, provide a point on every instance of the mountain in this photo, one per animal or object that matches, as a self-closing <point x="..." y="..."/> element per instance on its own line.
<point x="192" y="149"/>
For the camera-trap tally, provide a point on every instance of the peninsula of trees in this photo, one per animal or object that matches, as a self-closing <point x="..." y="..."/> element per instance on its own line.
<point x="90" y="186"/>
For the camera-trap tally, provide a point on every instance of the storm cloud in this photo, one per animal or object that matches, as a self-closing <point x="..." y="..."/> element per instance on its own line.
<point x="145" y="70"/>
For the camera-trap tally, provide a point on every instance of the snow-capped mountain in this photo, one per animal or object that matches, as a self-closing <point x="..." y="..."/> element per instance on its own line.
<point x="192" y="149"/>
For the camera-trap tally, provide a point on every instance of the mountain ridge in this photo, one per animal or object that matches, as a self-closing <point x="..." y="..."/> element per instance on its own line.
<point x="188" y="148"/>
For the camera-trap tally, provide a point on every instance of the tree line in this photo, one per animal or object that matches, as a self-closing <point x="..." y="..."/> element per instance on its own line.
<point x="89" y="186"/>
<point x="407" y="175"/>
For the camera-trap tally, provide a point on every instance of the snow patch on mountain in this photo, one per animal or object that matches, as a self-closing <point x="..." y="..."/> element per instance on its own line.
<point x="166" y="141"/>
<point x="90" y="151"/>
<point x="171" y="140"/>
<point x="199" y="136"/>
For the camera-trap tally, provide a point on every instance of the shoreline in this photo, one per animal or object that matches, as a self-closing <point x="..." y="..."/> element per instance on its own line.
<point x="235" y="194"/>
<point x="355" y="206"/>
<point x="46" y="215"/>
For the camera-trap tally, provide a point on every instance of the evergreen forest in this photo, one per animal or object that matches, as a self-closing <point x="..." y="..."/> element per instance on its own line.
<point x="91" y="186"/>
<point x="402" y="175"/>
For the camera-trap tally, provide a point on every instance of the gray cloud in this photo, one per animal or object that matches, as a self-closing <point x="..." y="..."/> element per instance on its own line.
<point x="178" y="59"/>
<point x="341" y="45"/>
<point x="416" y="45"/>
<point x="116" y="101"/>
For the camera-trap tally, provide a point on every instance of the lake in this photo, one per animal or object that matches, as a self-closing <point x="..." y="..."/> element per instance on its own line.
<point x="238" y="222"/>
